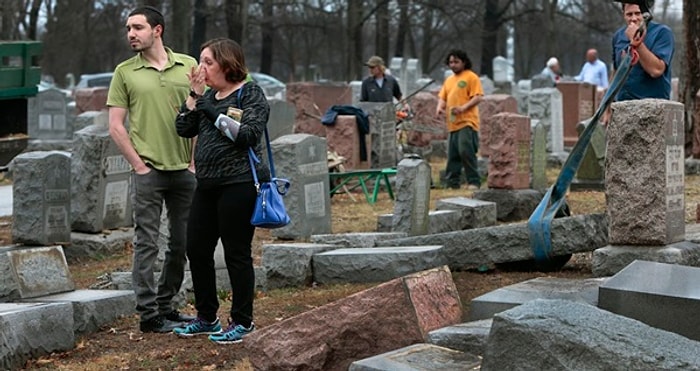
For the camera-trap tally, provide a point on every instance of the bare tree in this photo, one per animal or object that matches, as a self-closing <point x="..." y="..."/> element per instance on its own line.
<point x="381" y="37"/>
<point x="690" y="83"/>
<point x="403" y="28"/>
<point x="354" y="34"/>
<point x="237" y="18"/>
<point x="267" y="30"/>
<point x="199" y="28"/>
<point x="180" y="25"/>
<point x="495" y="17"/>
<point x="35" y="6"/>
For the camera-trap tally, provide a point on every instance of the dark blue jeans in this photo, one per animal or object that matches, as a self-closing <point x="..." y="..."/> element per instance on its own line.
<point x="149" y="192"/>
<point x="222" y="212"/>
<point x="462" y="147"/>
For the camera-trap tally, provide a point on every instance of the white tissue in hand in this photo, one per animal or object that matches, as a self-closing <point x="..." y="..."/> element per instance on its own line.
<point x="227" y="126"/>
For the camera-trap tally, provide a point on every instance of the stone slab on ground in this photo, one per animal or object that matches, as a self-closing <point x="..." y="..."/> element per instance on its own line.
<point x="504" y="298"/>
<point x="418" y="357"/>
<point x="33" y="330"/>
<point x="98" y="245"/>
<point x="611" y="259"/>
<point x="439" y="221"/>
<point x="122" y="281"/>
<point x="27" y="272"/>
<point x="566" y="335"/>
<point x="363" y="239"/>
<point x="661" y="295"/>
<point x="475" y="213"/>
<point x="472" y="248"/>
<point x="289" y="264"/>
<point x="224" y="283"/>
<point x="93" y="309"/>
<point x="511" y="204"/>
<point x="375" y="264"/>
<point x="388" y="316"/>
<point x="469" y="337"/>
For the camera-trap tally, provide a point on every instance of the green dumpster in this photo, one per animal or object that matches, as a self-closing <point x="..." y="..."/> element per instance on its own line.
<point x="19" y="75"/>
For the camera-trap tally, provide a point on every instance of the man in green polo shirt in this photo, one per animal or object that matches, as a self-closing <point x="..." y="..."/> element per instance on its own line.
<point x="149" y="88"/>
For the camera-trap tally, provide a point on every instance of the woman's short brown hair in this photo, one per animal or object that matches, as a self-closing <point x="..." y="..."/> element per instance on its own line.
<point x="229" y="55"/>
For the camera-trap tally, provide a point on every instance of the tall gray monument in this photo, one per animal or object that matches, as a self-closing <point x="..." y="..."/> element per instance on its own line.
<point x="644" y="178"/>
<point x="41" y="198"/>
<point x="412" y="204"/>
<point x="302" y="159"/>
<point x="101" y="182"/>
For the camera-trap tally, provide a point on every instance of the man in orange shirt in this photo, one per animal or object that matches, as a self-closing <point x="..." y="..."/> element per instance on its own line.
<point x="459" y="98"/>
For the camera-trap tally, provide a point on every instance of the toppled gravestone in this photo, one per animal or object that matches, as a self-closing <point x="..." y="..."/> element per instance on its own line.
<point x="565" y="335"/>
<point x="392" y="315"/>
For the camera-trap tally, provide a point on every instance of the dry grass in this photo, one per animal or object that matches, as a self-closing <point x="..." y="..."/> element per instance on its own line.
<point x="122" y="346"/>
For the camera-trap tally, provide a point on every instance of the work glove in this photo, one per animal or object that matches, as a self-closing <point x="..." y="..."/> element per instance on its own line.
<point x="205" y="106"/>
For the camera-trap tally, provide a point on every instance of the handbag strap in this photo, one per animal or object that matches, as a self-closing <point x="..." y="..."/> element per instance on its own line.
<point x="252" y="158"/>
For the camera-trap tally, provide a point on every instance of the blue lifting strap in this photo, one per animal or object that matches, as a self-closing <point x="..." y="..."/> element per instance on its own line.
<point x="539" y="224"/>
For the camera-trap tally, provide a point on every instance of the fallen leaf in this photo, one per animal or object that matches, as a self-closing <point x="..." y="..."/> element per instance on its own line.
<point x="133" y="337"/>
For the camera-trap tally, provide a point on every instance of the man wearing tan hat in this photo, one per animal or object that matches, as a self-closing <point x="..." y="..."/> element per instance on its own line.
<point x="379" y="86"/>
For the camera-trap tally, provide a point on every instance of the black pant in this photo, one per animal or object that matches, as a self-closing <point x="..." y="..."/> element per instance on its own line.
<point x="462" y="147"/>
<point x="222" y="212"/>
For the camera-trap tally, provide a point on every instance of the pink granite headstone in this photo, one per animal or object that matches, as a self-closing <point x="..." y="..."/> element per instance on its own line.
<point x="424" y="105"/>
<point x="344" y="138"/>
<point x="509" y="162"/>
<point x="490" y="106"/>
<point x="90" y="99"/>
<point x="311" y="101"/>
<point x="386" y="317"/>
<point x="578" y="101"/>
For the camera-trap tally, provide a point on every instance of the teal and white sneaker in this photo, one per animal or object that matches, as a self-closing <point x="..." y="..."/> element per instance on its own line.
<point x="198" y="326"/>
<point x="233" y="334"/>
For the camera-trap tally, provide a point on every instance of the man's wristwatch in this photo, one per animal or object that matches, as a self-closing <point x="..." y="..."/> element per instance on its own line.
<point x="194" y="95"/>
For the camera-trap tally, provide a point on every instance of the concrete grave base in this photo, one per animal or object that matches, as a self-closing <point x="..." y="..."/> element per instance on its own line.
<point x="93" y="309"/>
<point x="98" y="245"/>
<point x="468" y="337"/>
<point x="499" y="300"/>
<point x="587" y="185"/>
<point x="375" y="264"/>
<point x="49" y="145"/>
<point x="419" y="357"/>
<point x="391" y="315"/>
<point x="33" y="330"/>
<point x="474" y="213"/>
<point x="662" y="295"/>
<point x="289" y="264"/>
<point x="473" y="248"/>
<point x="439" y="221"/>
<point x="363" y="239"/>
<point x="122" y="281"/>
<point x="511" y="204"/>
<point x="611" y="259"/>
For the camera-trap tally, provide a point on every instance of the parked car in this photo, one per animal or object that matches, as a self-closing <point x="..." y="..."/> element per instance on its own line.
<point x="272" y="87"/>
<point x="94" y="79"/>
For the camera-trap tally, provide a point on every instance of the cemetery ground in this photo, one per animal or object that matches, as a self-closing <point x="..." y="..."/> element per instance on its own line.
<point x="121" y="346"/>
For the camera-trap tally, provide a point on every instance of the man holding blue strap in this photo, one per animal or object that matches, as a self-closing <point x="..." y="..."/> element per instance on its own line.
<point x="651" y="76"/>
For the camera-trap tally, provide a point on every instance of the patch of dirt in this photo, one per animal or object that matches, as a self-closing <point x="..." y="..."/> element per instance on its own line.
<point x="121" y="346"/>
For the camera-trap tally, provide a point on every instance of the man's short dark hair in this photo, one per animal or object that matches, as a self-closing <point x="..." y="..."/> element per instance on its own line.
<point x="153" y="16"/>
<point x="461" y="55"/>
<point x="644" y="5"/>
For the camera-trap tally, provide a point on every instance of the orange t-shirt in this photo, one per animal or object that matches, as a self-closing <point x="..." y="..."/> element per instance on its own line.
<point x="456" y="91"/>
